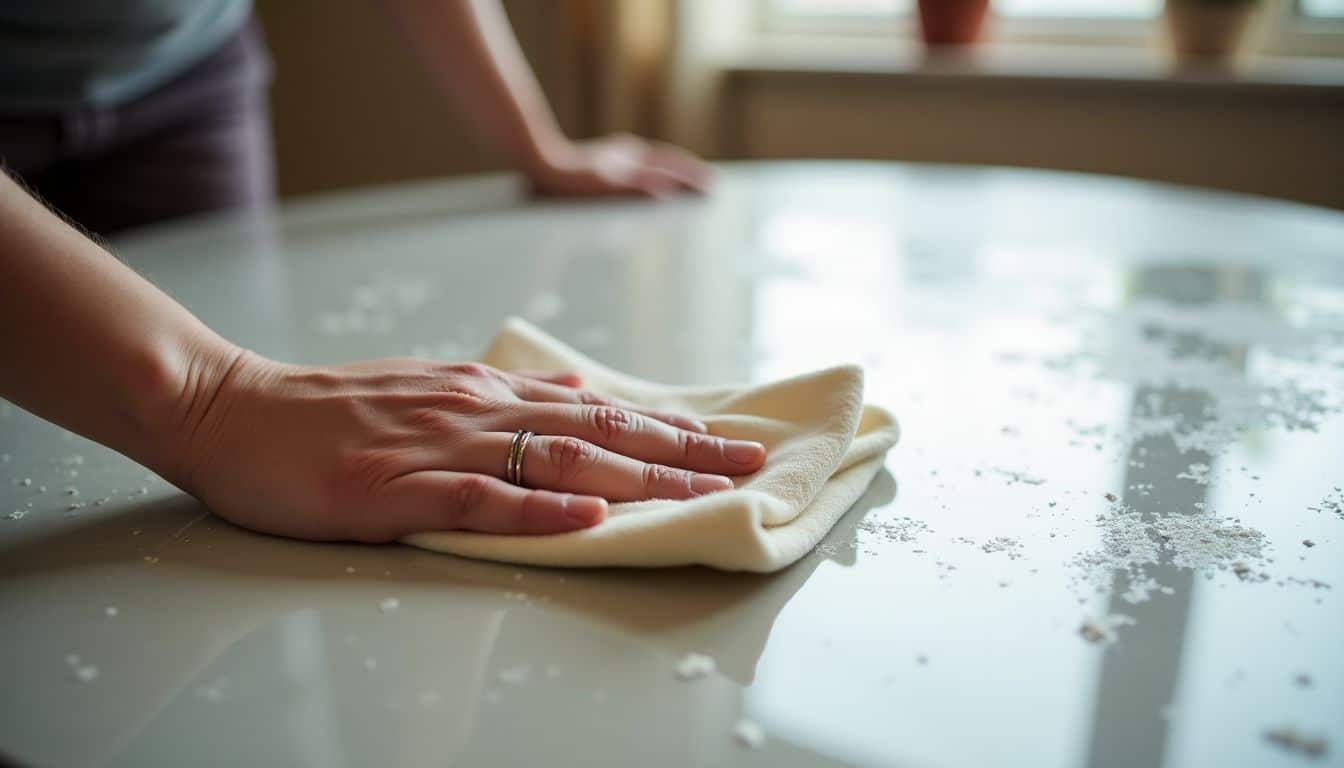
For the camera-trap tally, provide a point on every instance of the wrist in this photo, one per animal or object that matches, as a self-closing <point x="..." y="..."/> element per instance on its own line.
<point x="545" y="153"/>
<point x="180" y="386"/>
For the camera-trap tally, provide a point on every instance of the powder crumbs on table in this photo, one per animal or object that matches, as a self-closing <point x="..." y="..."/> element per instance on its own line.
<point x="1101" y="629"/>
<point x="695" y="666"/>
<point x="749" y="734"/>
<point x="1293" y="740"/>
<point x="389" y="605"/>
<point x="517" y="675"/>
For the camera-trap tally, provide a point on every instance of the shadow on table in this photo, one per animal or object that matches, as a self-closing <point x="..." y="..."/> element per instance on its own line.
<point x="728" y="615"/>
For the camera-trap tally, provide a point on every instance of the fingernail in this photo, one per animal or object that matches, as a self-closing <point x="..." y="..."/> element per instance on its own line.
<point x="585" y="510"/>
<point x="743" y="452"/>
<point x="702" y="484"/>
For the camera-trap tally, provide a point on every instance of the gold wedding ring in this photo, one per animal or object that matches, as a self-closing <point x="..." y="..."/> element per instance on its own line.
<point x="513" y="469"/>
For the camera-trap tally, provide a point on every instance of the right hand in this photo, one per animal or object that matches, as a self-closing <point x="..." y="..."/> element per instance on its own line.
<point x="378" y="450"/>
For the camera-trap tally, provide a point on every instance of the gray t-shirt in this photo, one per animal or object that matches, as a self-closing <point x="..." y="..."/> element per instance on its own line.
<point x="64" y="54"/>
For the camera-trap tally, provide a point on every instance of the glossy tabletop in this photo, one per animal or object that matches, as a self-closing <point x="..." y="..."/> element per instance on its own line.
<point x="1112" y="535"/>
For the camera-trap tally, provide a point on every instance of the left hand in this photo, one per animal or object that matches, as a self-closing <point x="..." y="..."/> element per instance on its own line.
<point x="619" y="165"/>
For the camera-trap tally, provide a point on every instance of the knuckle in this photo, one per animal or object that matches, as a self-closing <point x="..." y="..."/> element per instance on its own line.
<point x="661" y="480"/>
<point x="569" y="455"/>
<point x="613" y="423"/>
<point x="470" y="370"/>
<point x="591" y="398"/>
<point x="462" y="401"/>
<point x="692" y="445"/>
<point x="468" y="493"/>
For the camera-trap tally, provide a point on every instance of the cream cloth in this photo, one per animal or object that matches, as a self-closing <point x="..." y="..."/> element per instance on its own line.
<point x="824" y="448"/>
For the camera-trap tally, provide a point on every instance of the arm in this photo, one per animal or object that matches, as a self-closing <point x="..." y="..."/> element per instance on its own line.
<point x="370" y="451"/>
<point x="470" y="50"/>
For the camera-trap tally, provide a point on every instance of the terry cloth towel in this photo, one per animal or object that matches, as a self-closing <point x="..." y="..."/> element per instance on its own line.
<point x="824" y="448"/>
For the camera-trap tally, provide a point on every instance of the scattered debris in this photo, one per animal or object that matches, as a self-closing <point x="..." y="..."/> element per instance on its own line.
<point x="1016" y="476"/>
<point x="749" y="734"/>
<point x="694" y="666"/>
<point x="1197" y="472"/>
<point x="389" y="605"/>
<point x="1308" y="543"/>
<point x="1293" y="740"/>
<point x="516" y="675"/>
<point x="111" y="611"/>
<point x="1101" y="629"/>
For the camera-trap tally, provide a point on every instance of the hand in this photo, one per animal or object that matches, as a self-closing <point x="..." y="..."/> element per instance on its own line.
<point x="375" y="451"/>
<point x="619" y="165"/>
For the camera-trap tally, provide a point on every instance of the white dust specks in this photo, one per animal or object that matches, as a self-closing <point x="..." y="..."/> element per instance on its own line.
<point x="370" y="663"/>
<point x="1101" y="629"/>
<point x="902" y="530"/>
<point x="389" y="604"/>
<point x="85" y="673"/>
<point x="376" y="306"/>
<point x="516" y="675"/>
<point x="1132" y="542"/>
<point x="111" y="611"/>
<point x="17" y="514"/>
<point x="1016" y="477"/>
<point x="694" y="666"/>
<point x="748" y="734"/>
<point x="213" y="690"/>
<point x="430" y="698"/>
<point x="544" y="306"/>
<point x="1197" y="472"/>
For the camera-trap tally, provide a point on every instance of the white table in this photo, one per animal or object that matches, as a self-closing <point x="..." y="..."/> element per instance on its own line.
<point x="1046" y="339"/>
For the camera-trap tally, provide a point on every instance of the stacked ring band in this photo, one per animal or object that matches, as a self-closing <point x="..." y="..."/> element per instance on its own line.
<point x="513" y="469"/>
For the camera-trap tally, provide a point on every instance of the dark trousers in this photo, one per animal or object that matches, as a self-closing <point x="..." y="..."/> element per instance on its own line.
<point x="202" y="142"/>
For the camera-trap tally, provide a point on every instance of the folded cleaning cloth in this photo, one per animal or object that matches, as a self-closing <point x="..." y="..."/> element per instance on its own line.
<point x="824" y="448"/>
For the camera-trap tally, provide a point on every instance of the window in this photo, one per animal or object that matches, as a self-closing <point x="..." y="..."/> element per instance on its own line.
<point x="1324" y="8"/>
<point x="1117" y="9"/>
<point x="1308" y="28"/>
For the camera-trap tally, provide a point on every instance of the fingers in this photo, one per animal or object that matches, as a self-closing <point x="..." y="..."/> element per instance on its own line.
<point x="689" y="172"/>
<point x="571" y="465"/>
<point x="564" y="379"/>
<point x="443" y="501"/>
<point x="546" y="392"/>
<point x="631" y="433"/>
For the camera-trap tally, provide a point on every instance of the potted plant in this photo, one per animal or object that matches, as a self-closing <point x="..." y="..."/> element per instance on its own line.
<point x="952" y="22"/>
<point x="1210" y="31"/>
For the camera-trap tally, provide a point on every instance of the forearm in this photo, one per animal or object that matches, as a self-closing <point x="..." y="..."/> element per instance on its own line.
<point x="92" y="346"/>
<point x="471" y="51"/>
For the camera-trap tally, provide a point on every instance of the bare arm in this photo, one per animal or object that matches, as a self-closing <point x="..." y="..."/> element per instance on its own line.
<point x="369" y="451"/>
<point x="90" y="344"/>
<point x="470" y="50"/>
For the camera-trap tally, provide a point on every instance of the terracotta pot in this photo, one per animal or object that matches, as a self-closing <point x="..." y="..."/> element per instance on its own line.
<point x="1210" y="31"/>
<point x="952" y="22"/>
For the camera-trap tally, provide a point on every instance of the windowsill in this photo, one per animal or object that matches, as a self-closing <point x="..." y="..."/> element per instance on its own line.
<point x="1008" y="63"/>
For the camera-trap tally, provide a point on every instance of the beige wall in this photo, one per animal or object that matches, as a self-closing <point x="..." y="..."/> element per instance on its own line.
<point x="1284" y="142"/>
<point x="350" y="106"/>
